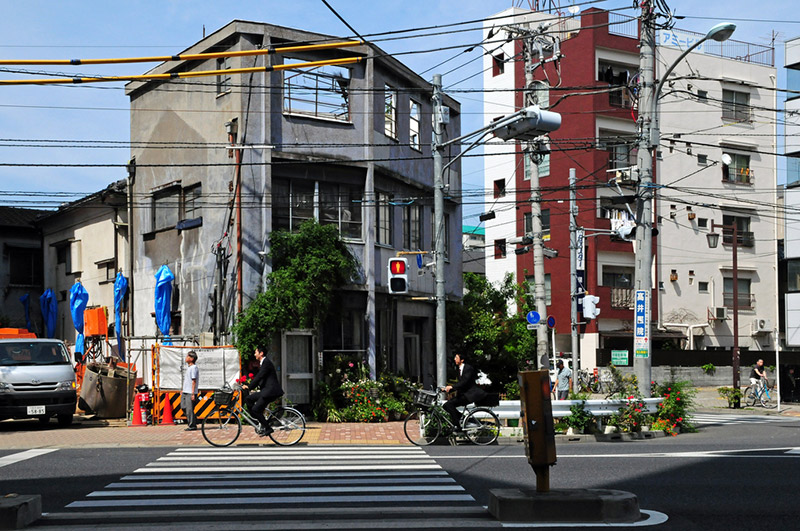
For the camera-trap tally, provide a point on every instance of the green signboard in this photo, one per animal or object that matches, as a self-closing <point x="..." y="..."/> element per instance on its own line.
<point x="619" y="357"/>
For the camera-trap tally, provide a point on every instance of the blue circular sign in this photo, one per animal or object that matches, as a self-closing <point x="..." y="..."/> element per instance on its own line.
<point x="551" y="322"/>
<point x="533" y="317"/>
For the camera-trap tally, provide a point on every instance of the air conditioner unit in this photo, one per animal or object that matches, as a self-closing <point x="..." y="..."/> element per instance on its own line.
<point x="761" y="326"/>
<point x="720" y="313"/>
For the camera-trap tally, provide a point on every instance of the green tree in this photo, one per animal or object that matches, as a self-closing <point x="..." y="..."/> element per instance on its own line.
<point x="308" y="267"/>
<point x="483" y="327"/>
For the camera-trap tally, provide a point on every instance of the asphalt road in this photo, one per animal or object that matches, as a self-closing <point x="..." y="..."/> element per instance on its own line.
<point x="728" y="475"/>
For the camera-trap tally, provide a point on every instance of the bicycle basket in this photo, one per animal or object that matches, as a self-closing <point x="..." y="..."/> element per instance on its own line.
<point x="424" y="398"/>
<point x="491" y="400"/>
<point x="223" y="397"/>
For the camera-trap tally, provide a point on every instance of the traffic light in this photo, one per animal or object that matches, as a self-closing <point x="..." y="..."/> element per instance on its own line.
<point x="398" y="276"/>
<point x="590" y="309"/>
<point x="537" y="414"/>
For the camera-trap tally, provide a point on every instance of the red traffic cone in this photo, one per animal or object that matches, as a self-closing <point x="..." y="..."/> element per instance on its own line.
<point x="136" y="420"/>
<point x="166" y="417"/>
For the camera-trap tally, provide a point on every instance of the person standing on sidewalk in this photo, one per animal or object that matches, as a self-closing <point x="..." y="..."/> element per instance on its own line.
<point x="191" y="386"/>
<point x="563" y="381"/>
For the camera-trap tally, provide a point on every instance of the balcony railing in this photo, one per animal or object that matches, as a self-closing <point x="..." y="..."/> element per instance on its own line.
<point x="746" y="239"/>
<point x="737" y="175"/>
<point x="747" y="301"/>
<point x="622" y="298"/>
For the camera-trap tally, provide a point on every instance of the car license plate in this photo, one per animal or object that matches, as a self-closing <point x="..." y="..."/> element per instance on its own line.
<point x="36" y="410"/>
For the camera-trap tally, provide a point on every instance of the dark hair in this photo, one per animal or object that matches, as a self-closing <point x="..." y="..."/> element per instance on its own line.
<point x="559" y="362"/>
<point x="460" y="355"/>
<point x="262" y="348"/>
<point x="192" y="354"/>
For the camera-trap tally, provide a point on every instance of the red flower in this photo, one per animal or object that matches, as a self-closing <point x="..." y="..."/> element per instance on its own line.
<point x="678" y="399"/>
<point x="669" y="388"/>
<point x="250" y="375"/>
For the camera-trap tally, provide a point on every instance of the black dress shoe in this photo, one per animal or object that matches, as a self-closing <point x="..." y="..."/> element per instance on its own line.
<point x="191" y="428"/>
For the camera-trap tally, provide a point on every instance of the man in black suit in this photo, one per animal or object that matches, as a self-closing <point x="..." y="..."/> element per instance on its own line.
<point x="267" y="379"/>
<point x="466" y="388"/>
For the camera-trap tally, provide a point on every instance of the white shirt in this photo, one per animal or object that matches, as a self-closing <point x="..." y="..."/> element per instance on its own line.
<point x="192" y="373"/>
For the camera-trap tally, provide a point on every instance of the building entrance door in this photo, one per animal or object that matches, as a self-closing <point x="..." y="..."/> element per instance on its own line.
<point x="297" y="366"/>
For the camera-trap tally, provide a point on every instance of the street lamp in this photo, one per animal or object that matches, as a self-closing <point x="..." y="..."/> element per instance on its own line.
<point x="525" y="123"/>
<point x="713" y="241"/>
<point x="648" y="144"/>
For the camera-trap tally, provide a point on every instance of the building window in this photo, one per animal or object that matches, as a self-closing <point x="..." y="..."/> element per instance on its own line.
<point x="744" y="235"/>
<point x="746" y="299"/>
<point x="702" y="223"/>
<point x="383" y="221"/>
<point x="793" y="275"/>
<point x="413" y="126"/>
<point x="498" y="64"/>
<point x="223" y="80"/>
<point x="702" y="95"/>
<point x="702" y="287"/>
<point x="735" y="106"/>
<point x="527" y="222"/>
<point x="500" y="248"/>
<point x="543" y="166"/>
<point x="166" y="208"/>
<point x="108" y="270"/>
<point x="621" y="149"/>
<point x="191" y="201"/>
<point x="390" y="112"/>
<point x="412" y="227"/>
<point x="738" y="171"/>
<point x="792" y="168"/>
<point x="547" y="291"/>
<point x="617" y="77"/>
<point x="299" y="200"/>
<point x="25" y="266"/>
<point x="323" y="92"/>
<point x="702" y="159"/>
<point x="499" y="188"/>
<point x="618" y="276"/>
<point x="340" y="205"/>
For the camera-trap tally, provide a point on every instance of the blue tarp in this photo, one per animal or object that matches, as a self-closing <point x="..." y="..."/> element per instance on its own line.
<point x="164" y="278"/>
<point x="49" y="306"/>
<point x="26" y="303"/>
<point x="78" y="299"/>
<point x="120" y="289"/>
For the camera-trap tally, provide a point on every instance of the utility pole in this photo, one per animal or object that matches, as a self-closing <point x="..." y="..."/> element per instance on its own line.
<point x="439" y="232"/>
<point x="644" y="232"/>
<point x="532" y="152"/>
<point x="573" y="275"/>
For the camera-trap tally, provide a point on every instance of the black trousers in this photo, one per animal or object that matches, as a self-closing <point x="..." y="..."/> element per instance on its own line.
<point x="452" y="405"/>
<point x="257" y="403"/>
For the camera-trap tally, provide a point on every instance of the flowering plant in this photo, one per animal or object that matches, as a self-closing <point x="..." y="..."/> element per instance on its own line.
<point x="245" y="380"/>
<point x="665" y="426"/>
<point x="677" y="403"/>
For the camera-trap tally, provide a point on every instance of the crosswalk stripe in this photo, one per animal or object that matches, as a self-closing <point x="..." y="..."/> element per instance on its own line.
<point x="22" y="456"/>
<point x="267" y="490"/>
<point x="299" y="458"/>
<point x="285" y="468"/>
<point x="273" y="483"/>
<point x="299" y="474"/>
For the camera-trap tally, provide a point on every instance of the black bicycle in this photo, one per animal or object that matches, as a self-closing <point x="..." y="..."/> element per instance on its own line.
<point x="429" y="421"/>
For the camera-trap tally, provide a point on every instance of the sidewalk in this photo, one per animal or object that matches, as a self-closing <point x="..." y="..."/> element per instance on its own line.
<point x="708" y="400"/>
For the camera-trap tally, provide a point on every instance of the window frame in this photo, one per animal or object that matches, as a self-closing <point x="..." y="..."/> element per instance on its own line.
<point x="28" y="274"/>
<point x="412" y="227"/>
<point x="384" y="218"/>
<point x="224" y="82"/>
<point x="390" y="98"/>
<point x="498" y="64"/>
<point x="739" y="168"/>
<point x="500" y="251"/>
<point x="322" y="93"/>
<point x="414" y="125"/>
<point x="734" y="110"/>
<point x="304" y="195"/>
<point x="166" y="194"/>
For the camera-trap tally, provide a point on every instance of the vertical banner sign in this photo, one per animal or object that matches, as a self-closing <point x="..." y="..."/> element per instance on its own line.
<point x="580" y="268"/>
<point x="641" y="341"/>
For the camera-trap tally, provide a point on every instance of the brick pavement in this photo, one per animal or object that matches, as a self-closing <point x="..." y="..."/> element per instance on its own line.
<point x="88" y="434"/>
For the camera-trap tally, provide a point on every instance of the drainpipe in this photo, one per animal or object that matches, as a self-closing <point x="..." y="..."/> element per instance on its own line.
<point x="131" y="177"/>
<point x="689" y="330"/>
<point x="232" y="128"/>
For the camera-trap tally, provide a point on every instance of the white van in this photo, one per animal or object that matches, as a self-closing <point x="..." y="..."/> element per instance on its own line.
<point x="36" y="380"/>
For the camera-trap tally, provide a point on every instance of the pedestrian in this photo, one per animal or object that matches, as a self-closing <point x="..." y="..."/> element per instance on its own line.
<point x="267" y="379"/>
<point x="758" y="373"/>
<point x="466" y="387"/>
<point x="563" y="381"/>
<point x="191" y="388"/>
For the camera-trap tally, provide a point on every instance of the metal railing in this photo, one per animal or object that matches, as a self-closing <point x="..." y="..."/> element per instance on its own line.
<point x="746" y="52"/>
<point x="622" y="298"/>
<point x="623" y="25"/>
<point x="746" y="239"/>
<point x="747" y="301"/>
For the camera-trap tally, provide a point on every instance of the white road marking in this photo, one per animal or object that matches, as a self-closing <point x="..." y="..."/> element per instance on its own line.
<point x="278" y="468"/>
<point x="274" y="491"/>
<point x="653" y="518"/>
<point x="22" y="456"/>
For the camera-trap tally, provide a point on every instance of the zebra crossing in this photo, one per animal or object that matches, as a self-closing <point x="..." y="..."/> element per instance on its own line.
<point x="281" y="488"/>
<point x="714" y="419"/>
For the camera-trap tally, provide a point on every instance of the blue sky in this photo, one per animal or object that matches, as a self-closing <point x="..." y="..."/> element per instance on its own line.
<point x="89" y="29"/>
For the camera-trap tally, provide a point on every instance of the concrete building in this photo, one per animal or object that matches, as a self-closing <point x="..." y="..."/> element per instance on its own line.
<point x="473" y="243"/>
<point x="87" y="241"/>
<point x="790" y="288"/>
<point x="593" y="88"/>
<point x="347" y="145"/>
<point x="20" y="267"/>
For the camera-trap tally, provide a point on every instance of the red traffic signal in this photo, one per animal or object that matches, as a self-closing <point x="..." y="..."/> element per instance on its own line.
<point x="398" y="279"/>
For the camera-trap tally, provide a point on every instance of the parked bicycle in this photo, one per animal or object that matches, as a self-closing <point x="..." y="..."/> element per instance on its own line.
<point x="759" y="393"/>
<point x="223" y="425"/>
<point x="589" y="382"/>
<point x="429" y="421"/>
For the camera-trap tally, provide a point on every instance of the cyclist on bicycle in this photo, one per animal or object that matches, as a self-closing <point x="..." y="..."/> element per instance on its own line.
<point x="467" y="390"/>
<point x="758" y="373"/>
<point x="267" y="379"/>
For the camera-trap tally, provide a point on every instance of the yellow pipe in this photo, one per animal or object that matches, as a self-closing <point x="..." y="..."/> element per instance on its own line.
<point x="183" y="57"/>
<point x="178" y="75"/>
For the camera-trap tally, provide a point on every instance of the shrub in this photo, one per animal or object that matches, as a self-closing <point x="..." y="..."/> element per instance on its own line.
<point x="579" y="418"/>
<point x="733" y="396"/>
<point x="677" y="404"/>
<point x="709" y="368"/>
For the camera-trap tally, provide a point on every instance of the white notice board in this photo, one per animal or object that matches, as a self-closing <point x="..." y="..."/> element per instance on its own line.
<point x="217" y="367"/>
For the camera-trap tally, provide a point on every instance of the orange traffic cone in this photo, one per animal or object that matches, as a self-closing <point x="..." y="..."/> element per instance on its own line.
<point x="166" y="418"/>
<point x="136" y="420"/>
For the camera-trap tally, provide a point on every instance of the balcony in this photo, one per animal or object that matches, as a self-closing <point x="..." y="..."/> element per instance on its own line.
<point x="747" y="301"/>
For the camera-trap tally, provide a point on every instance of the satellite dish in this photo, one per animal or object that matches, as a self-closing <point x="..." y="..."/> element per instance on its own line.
<point x="726" y="159"/>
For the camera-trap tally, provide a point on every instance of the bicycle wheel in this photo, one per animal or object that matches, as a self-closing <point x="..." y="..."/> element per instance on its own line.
<point x="221" y="427"/>
<point x="749" y="396"/>
<point x="767" y="401"/>
<point x="422" y="427"/>
<point x="481" y="426"/>
<point x="289" y="425"/>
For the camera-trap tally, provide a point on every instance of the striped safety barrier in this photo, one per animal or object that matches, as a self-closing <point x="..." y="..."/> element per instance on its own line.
<point x="202" y="408"/>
